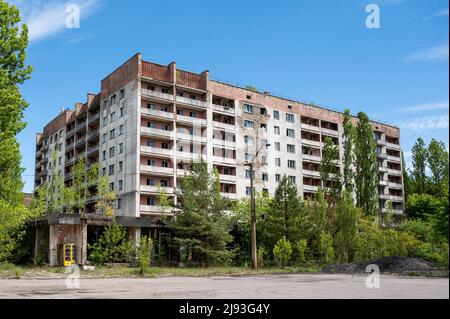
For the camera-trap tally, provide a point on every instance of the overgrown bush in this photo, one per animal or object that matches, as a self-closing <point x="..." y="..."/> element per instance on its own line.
<point x="301" y="247"/>
<point x="112" y="246"/>
<point x="282" y="252"/>
<point x="144" y="253"/>
<point x="326" y="251"/>
<point x="262" y="254"/>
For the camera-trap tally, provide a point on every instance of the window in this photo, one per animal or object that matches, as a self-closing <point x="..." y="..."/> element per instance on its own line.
<point x="121" y="112"/>
<point x="278" y="161"/>
<point x="120" y="167"/>
<point x="122" y="94"/>
<point x="276" y="115"/>
<point x="277" y="146"/>
<point x="248" y="108"/>
<point x="150" y="182"/>
<point x="276" y="130"/>
<point x="277" y="178"/>
<point x="112" y="117"/>
<point x="104" y="155"/>
<point x="103" y="171"/>
<point x="164" y="183"/>
<point x="151" y="162"/>
<point x="165" y="164"/>
<point x="150" y="201"/>
<point x="180" y="112"/>
<point x="292" y="179"/>
<point x="290" y="133"/>
<point x="112" y="134"/>
<point x="111" y="186"/>
<point x="247" y="174"/>
<point x="249" y="124"/>
<point x="291" y="148"/>
<point x="104" y="138"/>
<point x="165" y="90"/>
<point x="151" y="143"/>
<point x="105" y="121"/>
<point x="291" y="164"/>
<point x="265" y="177"/>
<point x="264" y="160"/>
<point x="165" y="146"/>
<point x="248" y="140"/>
<point x="248" y="190"/>
<point x="248" y="157"/>
<point x="113" y="100"/>
<point x="119" y="203"/>
<point x="193" y="114"/>
<point x="59" y="160"/>
<point x="121" y="130"/>
<point x="289" y="117"/>
<point x="264" y="127"/>
<point x="120" y="148"/>
<point x="120" y="185"/>
<point x="111" y="169"/>
<point x="112" y="152"/>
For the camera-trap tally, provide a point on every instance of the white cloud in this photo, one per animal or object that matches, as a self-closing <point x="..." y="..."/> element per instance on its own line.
<point x="435" y="54"/>
<point x="427" y="107"/>
<point x="425" y="123"/>
<point x="45" y="18"/>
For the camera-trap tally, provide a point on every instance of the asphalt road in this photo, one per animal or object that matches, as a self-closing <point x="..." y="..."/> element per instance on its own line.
<point x="253" y="287"/>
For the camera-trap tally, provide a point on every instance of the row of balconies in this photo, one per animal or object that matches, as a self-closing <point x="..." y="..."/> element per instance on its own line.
<point x="169" y="98"/>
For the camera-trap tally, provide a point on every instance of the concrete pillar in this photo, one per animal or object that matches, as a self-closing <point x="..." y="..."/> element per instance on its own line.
<point x="83" y="257"/>
<point x="135" y="235"/>
<point x="52" y="246"/>
<point x="37" y="240"/>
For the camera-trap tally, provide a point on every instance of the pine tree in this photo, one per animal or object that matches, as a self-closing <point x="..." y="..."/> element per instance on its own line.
<point x="348" y="156"/>
<point x="366" y="166"/>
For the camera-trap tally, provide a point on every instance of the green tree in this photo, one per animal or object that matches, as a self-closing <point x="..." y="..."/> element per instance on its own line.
<point x="348" y="138"/>
<point x="437" y="159"/>
<point x="285" y="211"/>
<point x="282" y="252"/>
<point x="318" y="221"/>
<point x="79" y="184"/>
<point x="144" y="253"/>
<point x="13" y="73"/>
<point x="347" y="216"/>
<point x="406" y="179"/>
<point x="366" y="166"/>
<point x="201" y="227"/>
<point x="301" y="247"/>
<point x="421" y="206"/>
<point x="106" y="197"/>
<point x="419" y="158"/>
<point x="112" y="246"/>
<point x="326" y="252"/>
<point x="329" y="172"/>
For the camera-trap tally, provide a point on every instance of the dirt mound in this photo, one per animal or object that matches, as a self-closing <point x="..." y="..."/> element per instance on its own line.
<point x="393" y="265"/>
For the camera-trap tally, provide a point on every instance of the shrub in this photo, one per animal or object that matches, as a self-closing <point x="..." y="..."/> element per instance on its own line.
<point x="262" y="253"/>
<point x="112" y="246"/>
<point x="326" y="251"/>
<point x="144" y="253"/>
<point x="282" y="252"/>
<point x="301" y="246"/>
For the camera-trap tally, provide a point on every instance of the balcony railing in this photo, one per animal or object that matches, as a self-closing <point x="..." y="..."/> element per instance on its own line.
<point x="155" y="189"/>
<point x="156" y="151"/>
<point x="225" y="126"/>
<point x="391" y="197"/>
<point x="157" y="113"/>
<point x="311" y="142"/>
<point x="310" y="188"/>
<point x="224" y="109"/>
<point x="185" y="100"/>
<point x="191" y="120"/>
<point x="226" y="160"/>
<point x="190" y="156"/>
<point x="156" y="210"/>
<point x="157" y="132"/>
<point x="393" y="158"/>
<point x="224" y="143"/>
<point x="311" y="158"/>
<point x="328" y="131"/>
<point x="93" y="134"/>
<point x="309" y="127"/>
<point x="156" y="94"/>
<point x="394" y="172"/>
<point x="393" y="146"/>
<point x="308" y="172"/>
<point x="228" y="178"/>
<point x="192" y="138"/>
<point x="94" y="118"/>
<point x="92" y="149"/>
<point x="157" y="169"/>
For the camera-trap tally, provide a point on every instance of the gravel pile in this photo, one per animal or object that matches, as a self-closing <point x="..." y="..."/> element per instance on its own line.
<point x="392" y="265"/>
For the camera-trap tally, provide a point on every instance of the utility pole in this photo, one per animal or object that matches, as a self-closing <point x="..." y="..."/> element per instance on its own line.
<point x="253" y="210"/>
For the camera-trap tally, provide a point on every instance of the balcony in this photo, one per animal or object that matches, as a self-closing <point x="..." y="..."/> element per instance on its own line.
<point x="192" y="102"/>
<point x="381" y="142"/>
<point x="382" y="155"/>
<point x="391" y="197"/>
<point x="158" y="95"/>
<point x="93" y="134"/>
<point x="382" y="169"/>
<point x="94" y="118"/>
<point x="382" y="183"/>
<point x="81" y="126"/>
<point x="157" y="113"/>
<point x="81" y="154"/>
<point x="157" y="170"/>
<point x="395" y="185"/>
<point x="190" y="156"/>
<point x="310" y="188"/>
<point x="224" y="126"/>
<point x="394" y="172"/>
<point x="192" y="138"/>
<point x="227" y="178"/>
<point x="229" y="195"/>
<point x="224" y="143"/>
<point x="156" y="210"/>
<point x="307" y="172"/>
<point x="224" y="109"/>
<point x="67" y="176"/>
<point x="225" y="160"/>
<point x="395" y="211"/>
<point x="156" y="151"/>
<point x="70" y="132"/>
<point x="310" y="128"/>
<point x="394" y="158"/>
<point x="191" y="120"/>
<point x="393" y="146"/>
<point x="155" y="189"/>
<point x="311" y="142"/>
<point x="327" y="131"/>
<point x="311" y="158"/>
<point x="156" y="132"/>
<point x="70" y="161"/>
<point x="92" y="149"/>
<point x="80" y="141"/>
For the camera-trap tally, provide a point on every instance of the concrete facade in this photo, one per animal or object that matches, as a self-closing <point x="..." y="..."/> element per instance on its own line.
<point x="149" y="121"/>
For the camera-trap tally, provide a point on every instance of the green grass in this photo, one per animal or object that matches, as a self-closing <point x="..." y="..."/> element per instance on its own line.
<point x="9" y="271"/>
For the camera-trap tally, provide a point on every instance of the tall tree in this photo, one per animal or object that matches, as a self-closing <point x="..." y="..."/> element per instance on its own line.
<point x="348" y="138"/>
<point x="285" y="210"/>
<point x="13" y="73"/>
<point x="419" y="159"/>
<point x="201" y="227"/>
<point x="366" y="166"/>
<point x="329" y="172"/>
<point x="80" y="185"/>
<point x="437" y="159"/>
<point x="406" y="179"/>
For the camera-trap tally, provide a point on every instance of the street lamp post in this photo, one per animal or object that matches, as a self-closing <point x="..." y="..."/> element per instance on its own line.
<point x="253" y="210"/>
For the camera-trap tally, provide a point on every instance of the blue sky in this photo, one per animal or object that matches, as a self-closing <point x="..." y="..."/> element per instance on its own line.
<point x="315" y="51"/>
